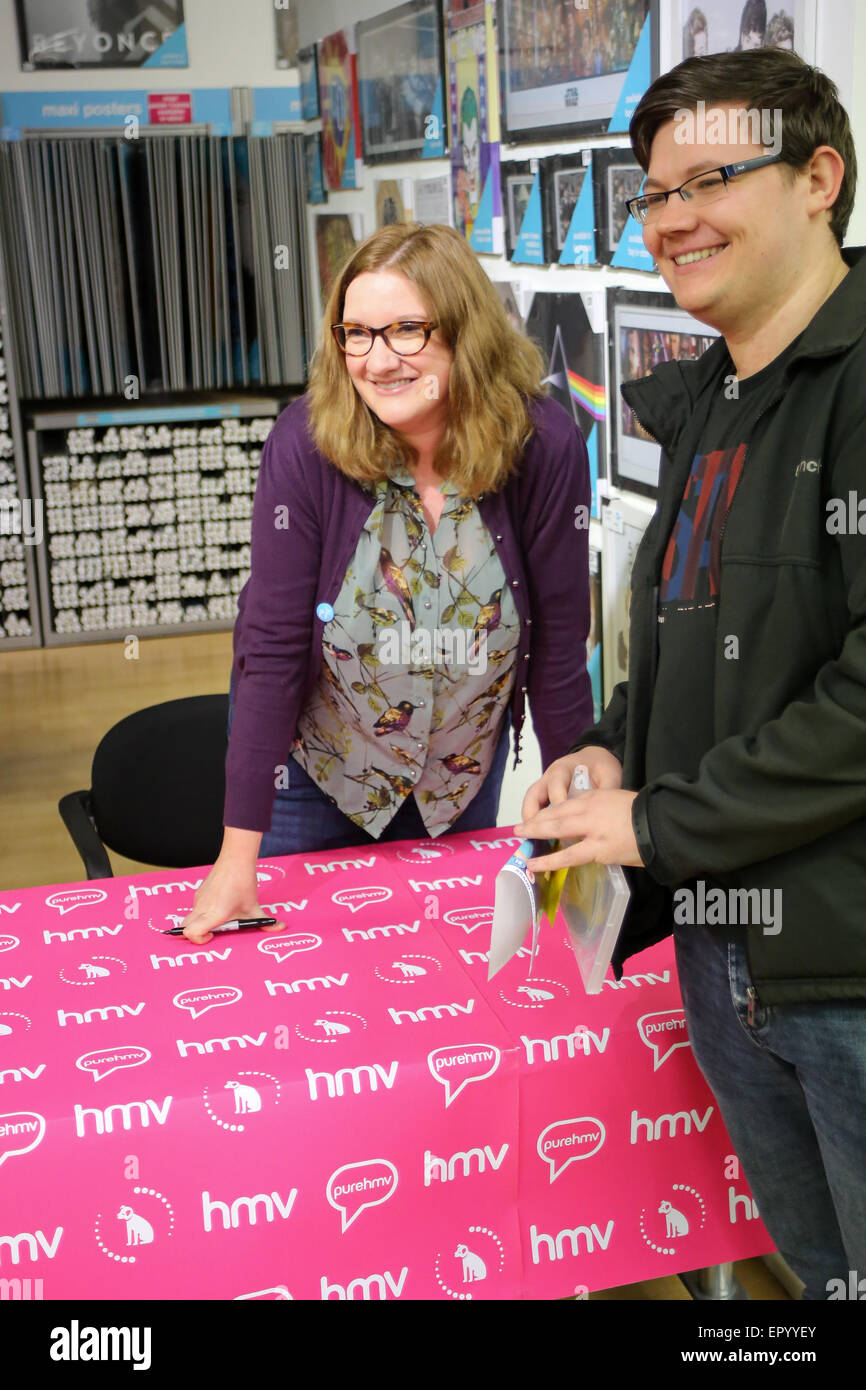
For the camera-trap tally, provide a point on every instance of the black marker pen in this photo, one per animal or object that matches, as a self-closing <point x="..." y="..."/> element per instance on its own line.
<point x="236" y="924"/>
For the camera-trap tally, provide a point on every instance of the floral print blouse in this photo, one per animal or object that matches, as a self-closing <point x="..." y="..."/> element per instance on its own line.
<point x="418" y="665"/>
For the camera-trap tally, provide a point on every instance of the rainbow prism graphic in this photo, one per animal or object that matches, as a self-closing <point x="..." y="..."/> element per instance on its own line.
<point x="588" y="394"/>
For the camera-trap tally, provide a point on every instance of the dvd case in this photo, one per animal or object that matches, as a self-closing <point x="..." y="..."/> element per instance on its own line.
<point x="593" y="903"/>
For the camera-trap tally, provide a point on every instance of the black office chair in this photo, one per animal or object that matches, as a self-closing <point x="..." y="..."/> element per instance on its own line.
<point x="156" y="788"/>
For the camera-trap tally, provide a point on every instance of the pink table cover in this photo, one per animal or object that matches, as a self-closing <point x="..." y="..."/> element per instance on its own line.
<point x="345" y="1109"/>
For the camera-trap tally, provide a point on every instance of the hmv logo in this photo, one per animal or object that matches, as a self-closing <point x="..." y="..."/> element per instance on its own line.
<point x="18" y="1073"/>
<point x="32" y="1244"/>
<point x="431" y="1011"/>
<point x="271" y="1204"/>
<point x="202" y="1048"/>
<point x="570" y="1237"/>
<point x="335" y="1082"/>
<point x="294" y="986"/>
<point x="80" y="933"/>
<point x="468" y="881"/>
<point x="380" y="1282"/>
<point x="66" y="1016"/>
<point x="340" y="864"/>
<point x="582" y="1039"/>
<point x="651" y="1130"/>
<point x="396" y="929"/>
<point x="495" y="844"/>
<point x="445" y="1170"/>
<point x="191" y="958"/>
<point x="638" y="980"/>
<point x="104" y="1121"/>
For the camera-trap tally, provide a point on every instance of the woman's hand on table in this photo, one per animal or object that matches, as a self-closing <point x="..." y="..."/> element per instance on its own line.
<point x="230" y="890"/>
<point x="599" y="821"/>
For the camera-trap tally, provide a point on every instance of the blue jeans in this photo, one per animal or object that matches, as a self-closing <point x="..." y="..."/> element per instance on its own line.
<point x="304" y="818"/>
<point x="791" y="1089"/>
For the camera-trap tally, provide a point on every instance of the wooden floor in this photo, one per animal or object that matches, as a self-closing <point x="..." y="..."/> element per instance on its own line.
<point x="55" y="705"/>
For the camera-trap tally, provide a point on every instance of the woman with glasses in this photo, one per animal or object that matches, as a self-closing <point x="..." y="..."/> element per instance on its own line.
<point x="419" y="566"/>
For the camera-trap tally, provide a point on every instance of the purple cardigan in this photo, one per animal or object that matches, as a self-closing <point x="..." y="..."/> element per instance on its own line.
<point x="542" y="542"/>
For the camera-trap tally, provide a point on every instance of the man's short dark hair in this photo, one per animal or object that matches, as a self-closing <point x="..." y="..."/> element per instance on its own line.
<point x="765" y="79"/>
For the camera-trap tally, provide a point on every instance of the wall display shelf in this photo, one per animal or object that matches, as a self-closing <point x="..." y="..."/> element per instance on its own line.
<point x="166" y="263"/>
<point x="147" y="517"/>
<point x="20" y="519"/>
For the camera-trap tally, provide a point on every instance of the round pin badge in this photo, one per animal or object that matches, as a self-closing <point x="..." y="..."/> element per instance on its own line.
<point x="325" y="611"/>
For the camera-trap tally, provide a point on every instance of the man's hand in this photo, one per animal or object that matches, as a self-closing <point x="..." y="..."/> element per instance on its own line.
<point x="605" y="773"/>
<point x="599" y="822"/>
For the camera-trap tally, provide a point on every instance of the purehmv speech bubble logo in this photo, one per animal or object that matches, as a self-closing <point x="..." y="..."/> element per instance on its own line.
<point x="372" y="1182"/>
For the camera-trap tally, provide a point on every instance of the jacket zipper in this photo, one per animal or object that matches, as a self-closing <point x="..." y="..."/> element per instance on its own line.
<point x="654" y="593"/>
<point x="751" y="992"/>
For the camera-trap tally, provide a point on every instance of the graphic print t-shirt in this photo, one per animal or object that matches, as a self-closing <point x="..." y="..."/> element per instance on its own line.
<point x="681" y="720"/>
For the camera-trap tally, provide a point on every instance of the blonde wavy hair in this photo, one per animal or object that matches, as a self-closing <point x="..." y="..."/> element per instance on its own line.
<point x="494" y="372"/>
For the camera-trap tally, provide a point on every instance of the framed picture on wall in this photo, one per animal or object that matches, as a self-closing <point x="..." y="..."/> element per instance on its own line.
<point x="617" y="176"/>
<point x="562" y="180"/>
<point x="101" y="34"/>
<point x="723" y="26"/>
<point x="643" y="330"/>
<point x="338" y="103"/>
<point x="472" y="62"/>
<point x="286" y="32"/>
<point x="571" y="69"/>
<point x="506" y="291"/>
<point x="315" y="174"/>
<point x="518" y="180"/>
<point x="623" y="523"/>
<point x="433" y="200"/>
<point x="337" y="235"/>
<point x="393" y="201"/>
<point x="308" y="72"/>
<point x="568" y="328"/>
<point x="565" y="188"/>
<point x="400" y="83"/>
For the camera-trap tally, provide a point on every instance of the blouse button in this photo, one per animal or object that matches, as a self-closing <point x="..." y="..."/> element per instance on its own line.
<point x="523" y="690"/>
<point x="514" y="583"/>
<point x="526" y="658"/>
<point x="419" y="745"/>
<point x="426" y="603"/>
<point x="499" y="538"/>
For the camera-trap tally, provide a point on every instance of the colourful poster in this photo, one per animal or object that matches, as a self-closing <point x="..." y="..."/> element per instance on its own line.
<point x="338" y="101"/>
<point x="474" y="125"/>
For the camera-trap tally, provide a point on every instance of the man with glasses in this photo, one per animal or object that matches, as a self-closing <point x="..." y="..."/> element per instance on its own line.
<point x="730" y="769"/>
